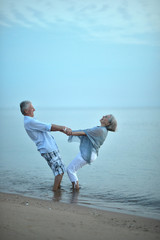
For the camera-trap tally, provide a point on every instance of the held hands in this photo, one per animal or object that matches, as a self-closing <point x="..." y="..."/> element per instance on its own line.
<point x="67" y="131"/>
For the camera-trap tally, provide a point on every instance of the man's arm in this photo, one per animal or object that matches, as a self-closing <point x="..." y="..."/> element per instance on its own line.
<point x="59" y="128"/>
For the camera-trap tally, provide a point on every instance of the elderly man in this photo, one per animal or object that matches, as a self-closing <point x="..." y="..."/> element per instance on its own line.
<point x="46" y="145"/>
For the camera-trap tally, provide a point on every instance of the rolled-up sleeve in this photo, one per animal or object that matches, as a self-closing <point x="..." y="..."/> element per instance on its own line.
<point x="39" y="126"/>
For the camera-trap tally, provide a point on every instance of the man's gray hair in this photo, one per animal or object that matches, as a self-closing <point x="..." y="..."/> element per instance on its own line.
<point x="24" y="105"/>
<point x="113" y="124"/>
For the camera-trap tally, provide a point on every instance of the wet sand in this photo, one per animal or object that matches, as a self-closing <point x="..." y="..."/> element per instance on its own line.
<point x="24" y="218"/>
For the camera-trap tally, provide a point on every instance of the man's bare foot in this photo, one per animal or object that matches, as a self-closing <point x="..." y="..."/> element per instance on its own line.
<point x="57" y="182"/>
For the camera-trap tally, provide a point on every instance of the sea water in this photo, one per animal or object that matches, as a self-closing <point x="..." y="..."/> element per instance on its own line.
<point x="125" y="177"/>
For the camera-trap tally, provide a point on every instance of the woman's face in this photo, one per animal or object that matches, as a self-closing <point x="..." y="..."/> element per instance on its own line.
<point x="105" y="120"/>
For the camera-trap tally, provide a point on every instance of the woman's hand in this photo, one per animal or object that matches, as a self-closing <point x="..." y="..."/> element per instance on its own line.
<point x="67" y="131"/>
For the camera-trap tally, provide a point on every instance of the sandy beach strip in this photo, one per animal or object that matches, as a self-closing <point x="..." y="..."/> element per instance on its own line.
<point x="24" y="218"/>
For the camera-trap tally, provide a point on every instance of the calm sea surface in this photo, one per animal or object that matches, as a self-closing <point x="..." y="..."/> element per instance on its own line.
<point x="125" y="177"/>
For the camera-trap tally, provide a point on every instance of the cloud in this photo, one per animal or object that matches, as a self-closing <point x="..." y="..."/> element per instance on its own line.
<point x="116" y="20"/>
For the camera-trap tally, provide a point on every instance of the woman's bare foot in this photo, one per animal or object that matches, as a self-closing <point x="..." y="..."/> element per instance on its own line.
<point x="75" y="186"/>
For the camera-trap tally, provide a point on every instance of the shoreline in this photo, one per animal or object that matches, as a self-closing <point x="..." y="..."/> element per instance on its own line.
<point x="31" y="218"/>
<point x="57" y="198"/>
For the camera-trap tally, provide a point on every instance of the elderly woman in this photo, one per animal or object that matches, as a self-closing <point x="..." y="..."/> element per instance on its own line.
<point x="90" y="142"/>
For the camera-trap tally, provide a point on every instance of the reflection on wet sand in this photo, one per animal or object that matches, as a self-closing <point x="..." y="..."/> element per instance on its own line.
<point x="72" y="195"/>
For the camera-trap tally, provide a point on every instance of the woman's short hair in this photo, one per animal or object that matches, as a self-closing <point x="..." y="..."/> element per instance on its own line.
<point x="24" y="105"/>
<point x="113" y="124"/>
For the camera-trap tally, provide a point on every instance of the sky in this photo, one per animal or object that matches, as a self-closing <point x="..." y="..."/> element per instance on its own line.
<point x="85" y="53"/>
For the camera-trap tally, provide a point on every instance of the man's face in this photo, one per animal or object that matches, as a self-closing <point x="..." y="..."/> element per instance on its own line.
<point x="30" y="111"/>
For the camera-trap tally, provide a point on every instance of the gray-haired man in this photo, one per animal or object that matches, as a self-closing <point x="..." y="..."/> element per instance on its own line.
<point x="46" y="145"/>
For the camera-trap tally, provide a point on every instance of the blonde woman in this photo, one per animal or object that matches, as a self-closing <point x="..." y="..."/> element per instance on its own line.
<point x="90" y="142"/>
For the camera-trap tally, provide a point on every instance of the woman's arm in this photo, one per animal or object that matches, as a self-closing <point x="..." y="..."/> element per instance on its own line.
<point x="78" y="133"/>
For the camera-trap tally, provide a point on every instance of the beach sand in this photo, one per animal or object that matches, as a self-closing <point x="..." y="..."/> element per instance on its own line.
<point x="24" y="218"/>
